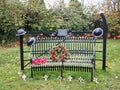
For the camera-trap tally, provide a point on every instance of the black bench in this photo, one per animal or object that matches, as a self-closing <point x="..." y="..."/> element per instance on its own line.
<point x="81" y="54"/>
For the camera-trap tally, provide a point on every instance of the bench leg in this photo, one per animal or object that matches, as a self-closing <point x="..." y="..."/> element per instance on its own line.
<point x="31" y="73"/>
<point x="62" y="68"/>
<point x="61" y="72"/>
<point x="92" y="73"/>
<point x="94" y="64"/>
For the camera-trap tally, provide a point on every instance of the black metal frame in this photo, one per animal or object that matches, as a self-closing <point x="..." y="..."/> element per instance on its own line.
<point x="105" y="28"/>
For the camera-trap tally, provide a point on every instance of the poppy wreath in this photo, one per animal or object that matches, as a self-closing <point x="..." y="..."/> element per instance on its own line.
<point x="59" y="53"/>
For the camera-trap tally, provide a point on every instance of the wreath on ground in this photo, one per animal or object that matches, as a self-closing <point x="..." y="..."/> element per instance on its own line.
<point x="59" y="53"/>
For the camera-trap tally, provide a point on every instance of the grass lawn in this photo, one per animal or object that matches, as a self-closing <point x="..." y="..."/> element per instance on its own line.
<point x="107" y="80"/>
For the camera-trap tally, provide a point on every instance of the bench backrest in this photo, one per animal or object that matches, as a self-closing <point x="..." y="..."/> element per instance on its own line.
<point x="78" y="47"/>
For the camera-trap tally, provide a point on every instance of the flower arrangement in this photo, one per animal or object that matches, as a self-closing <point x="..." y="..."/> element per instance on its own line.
<point x="59" y="53"/>
<point x="39" y="60"/>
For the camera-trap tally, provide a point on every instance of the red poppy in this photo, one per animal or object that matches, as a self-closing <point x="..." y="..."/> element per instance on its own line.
<point x="39" y="60"/>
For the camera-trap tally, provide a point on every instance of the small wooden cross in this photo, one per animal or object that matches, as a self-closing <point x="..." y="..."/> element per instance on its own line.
<point x="95" y="80"/>
<point x="80" y="79"/>
<point x="45" y="77"/>
<point x="59" y="78"/>
<point x="24" y="77"/>
<point x="70" y="78"/>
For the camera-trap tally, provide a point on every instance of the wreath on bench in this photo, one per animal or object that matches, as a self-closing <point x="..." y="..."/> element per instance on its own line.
<point x="59" y="53"/>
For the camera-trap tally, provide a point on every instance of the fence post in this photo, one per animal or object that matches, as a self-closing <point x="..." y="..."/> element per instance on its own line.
<point x="21" y="52"/>
<point x="20" y="33"/>
<point x="105" y="28"/>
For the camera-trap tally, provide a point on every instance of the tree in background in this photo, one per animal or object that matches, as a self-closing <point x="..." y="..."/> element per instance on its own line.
<point x="33" y="15"/>
<point x="113" y="15"/>
<point x="11" y="18"/>
<point x="41" y="19"/>
<point x="112" y="10"/>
